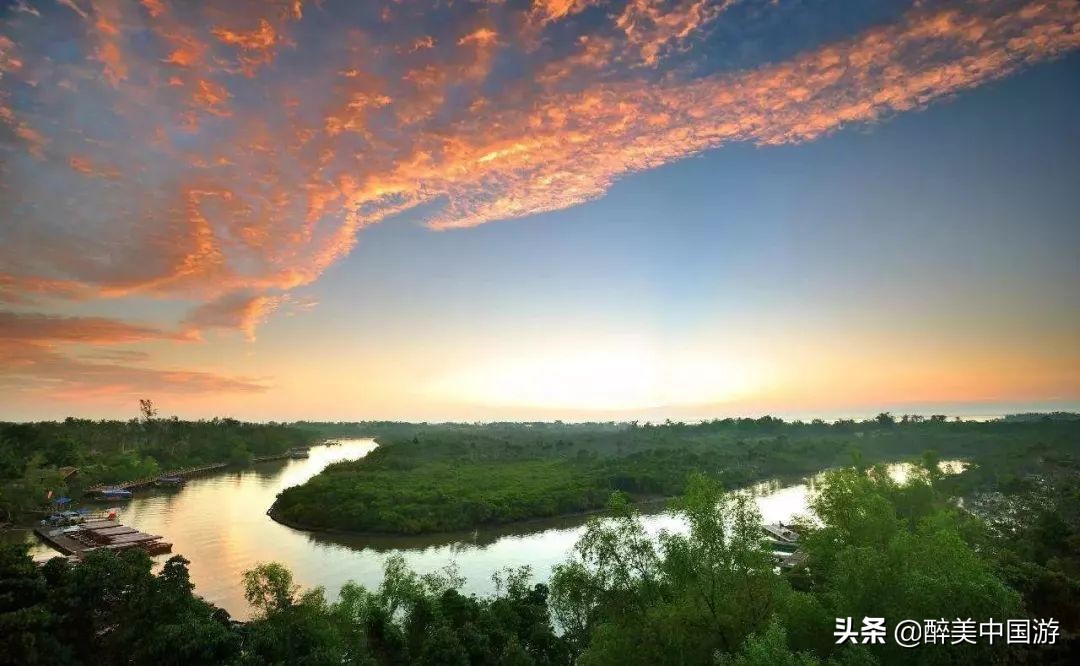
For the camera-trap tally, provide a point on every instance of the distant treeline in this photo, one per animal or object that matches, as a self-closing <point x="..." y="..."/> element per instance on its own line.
<point x="1042" y="416"/>
<point x="447" y="477"/>
<point x="343" y="429"/>
<point x="391" y="429"/>
<point x="35" y="458"/>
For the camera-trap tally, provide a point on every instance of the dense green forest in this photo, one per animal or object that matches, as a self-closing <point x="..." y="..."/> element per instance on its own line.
<point x="708" y="595"/>
<point x="32" y="454"/>
<point x="445" y="477"/>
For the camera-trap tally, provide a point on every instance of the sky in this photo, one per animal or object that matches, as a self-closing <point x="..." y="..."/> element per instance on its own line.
<point x="538" y="209"/>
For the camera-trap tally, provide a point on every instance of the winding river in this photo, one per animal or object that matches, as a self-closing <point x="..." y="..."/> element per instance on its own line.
<point x="219" y="523"/>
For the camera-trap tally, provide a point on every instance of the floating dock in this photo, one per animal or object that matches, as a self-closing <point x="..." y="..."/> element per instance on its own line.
<point x="77" y="540"/>
<point x="785" y="544"/>
<point x="792" y="560"/>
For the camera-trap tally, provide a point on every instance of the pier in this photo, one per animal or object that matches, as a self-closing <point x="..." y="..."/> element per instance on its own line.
<point x="77" y="540"/>
<point x="279" y="456"/>
<point x="187" y="472"/>
<point x="296" y="452"/>
<point x="149" y="481"/>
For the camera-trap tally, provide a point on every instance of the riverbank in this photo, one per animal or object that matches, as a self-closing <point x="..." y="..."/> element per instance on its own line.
<point x="219" y="523"/>
<point x="48" y="460"/>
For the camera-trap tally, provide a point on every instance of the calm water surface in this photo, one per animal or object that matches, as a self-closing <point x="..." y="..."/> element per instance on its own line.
<point x="219" y="522"/>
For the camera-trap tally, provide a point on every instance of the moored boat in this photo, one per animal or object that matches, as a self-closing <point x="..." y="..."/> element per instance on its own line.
<point x="63" y="518"/>
<point x="113" y="494"/>
<point x="781" y="532"/>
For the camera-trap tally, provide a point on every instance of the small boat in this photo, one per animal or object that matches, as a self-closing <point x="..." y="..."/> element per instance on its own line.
<point x="63" y="518"/>
<point x="114" y="494"/>
<point x="778" y="532"/>
<point x="169" y="482"/>
<point x="88" y="514"/>
<point x="299" y="452"/>
<point x="158" y="547"/>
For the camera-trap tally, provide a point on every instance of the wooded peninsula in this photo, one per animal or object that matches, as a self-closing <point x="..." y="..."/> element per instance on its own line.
<point x="448" y="477"/>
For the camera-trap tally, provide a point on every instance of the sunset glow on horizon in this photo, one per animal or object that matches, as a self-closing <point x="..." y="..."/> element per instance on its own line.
<point x="538" y="209"/>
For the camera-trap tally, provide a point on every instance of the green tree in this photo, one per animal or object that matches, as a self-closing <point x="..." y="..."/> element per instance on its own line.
<point x="769" y="648"/>
<point x="872" y="558"/>
<point x="27" y="623"/>
<point x="290" y="627"/>
<point x="626" y="598"/>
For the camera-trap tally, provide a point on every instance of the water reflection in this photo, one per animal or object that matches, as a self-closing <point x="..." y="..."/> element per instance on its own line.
<point x="38" y="550"/>
<point x="220" y="524"/>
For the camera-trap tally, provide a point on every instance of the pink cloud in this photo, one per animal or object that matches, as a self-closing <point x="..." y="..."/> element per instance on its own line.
<point x="227" y="174"/>
<point x="34" y="359"/>
<point x="42" y="370"/>
<point x="36" y="327"/>
<point x="239" y="311"/>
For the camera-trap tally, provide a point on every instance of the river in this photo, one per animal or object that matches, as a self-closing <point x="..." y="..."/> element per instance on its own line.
<point x="219" y="523"/>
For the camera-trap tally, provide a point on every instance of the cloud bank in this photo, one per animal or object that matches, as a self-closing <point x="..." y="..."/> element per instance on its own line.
<point x="228" y="153"/>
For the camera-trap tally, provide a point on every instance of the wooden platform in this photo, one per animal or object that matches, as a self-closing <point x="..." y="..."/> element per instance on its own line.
<point x="77" y="540"/>
<point x="793" y="560"/>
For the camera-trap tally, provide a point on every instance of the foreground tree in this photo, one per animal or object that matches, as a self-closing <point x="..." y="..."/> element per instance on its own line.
<point x="27" y="623"/>
<point x="289" y="627"/>
<point x="108" y="608"/>
<point x="626" y="598"/>
<point x="899" y="552"/>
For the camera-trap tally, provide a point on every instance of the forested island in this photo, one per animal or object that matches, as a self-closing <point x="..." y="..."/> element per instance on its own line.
<point x="428" y="478"/>
<point x="999" y="541"/>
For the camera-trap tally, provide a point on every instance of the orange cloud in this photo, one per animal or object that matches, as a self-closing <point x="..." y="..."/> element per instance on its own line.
<point x="42" y="370"/>
<point x="654" y="26"/>
<point x="262" y="37"/>
<point x="23" y="290"/>
<point x="480" y="37"/>
<point x="11" y="65"/>
<point x="107" y="21"/>
<point x="186" y="51"/>
<point x="87" y="167"/>
<point x="35" y="327"/>
<point x="554" y="10"/>
<point x="212" y="97"/>
<point x="153" y="7"/>
<point x="257" y="46"/>
<point x="31" y="359"/>
<point x="240" y="176"/>
<point x="239" y="311"/>
<point x="579" y="143"/>
<point x="418" y="44"/>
